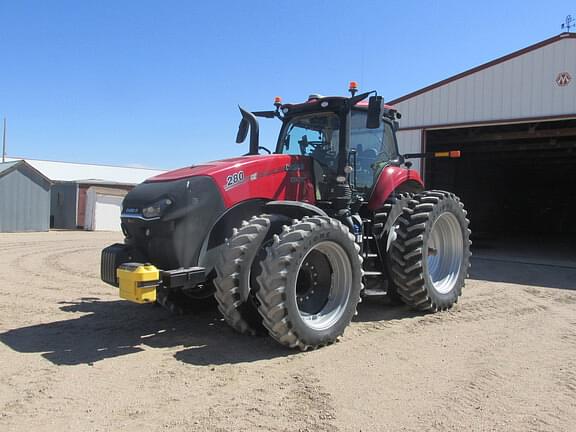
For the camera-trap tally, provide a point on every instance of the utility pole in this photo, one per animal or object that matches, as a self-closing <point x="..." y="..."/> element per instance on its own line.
<point x="4" y="142"/>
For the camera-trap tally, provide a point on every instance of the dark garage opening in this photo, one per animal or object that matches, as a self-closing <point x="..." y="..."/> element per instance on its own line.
<point x="518" y="182"/>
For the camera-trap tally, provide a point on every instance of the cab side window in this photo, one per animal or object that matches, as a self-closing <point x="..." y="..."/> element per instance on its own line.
<point x="374" y="148"/>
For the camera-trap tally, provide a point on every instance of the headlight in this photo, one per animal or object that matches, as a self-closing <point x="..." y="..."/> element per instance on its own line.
<point x="157" y="209"/>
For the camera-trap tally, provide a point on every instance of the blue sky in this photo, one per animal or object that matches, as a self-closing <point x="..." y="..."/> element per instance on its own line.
<point x="157" y="83"/>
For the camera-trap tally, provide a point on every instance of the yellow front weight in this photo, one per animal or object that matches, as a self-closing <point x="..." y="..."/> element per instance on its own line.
<point x="138" y="282"/>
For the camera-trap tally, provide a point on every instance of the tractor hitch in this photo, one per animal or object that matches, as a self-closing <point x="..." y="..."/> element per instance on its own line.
<point x="183" y="278"/>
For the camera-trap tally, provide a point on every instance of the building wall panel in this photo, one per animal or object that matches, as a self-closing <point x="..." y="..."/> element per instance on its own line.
<point x="521" y="87"/>
<point x="24" y="202"/>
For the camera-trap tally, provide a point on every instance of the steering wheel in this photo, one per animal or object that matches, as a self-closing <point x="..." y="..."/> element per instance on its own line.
<point x="304" y="143"/>
<point x="265" y="149"/>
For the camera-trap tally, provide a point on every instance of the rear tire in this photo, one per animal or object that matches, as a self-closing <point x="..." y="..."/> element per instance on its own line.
<point x="431" y="254"/>
<point x="310" y="283"/>
<point x="233" y="280"/>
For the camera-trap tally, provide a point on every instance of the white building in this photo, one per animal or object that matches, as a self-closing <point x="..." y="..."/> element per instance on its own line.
<point x="514" y="120"/>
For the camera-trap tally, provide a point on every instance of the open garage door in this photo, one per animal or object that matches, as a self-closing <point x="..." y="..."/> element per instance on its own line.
<point x="103" y="208"/>
<point x="518" y="181"/>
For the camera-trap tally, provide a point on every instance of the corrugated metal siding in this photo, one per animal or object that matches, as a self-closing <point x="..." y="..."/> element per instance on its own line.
<point x="24" y="202"/>
<point x="521" y="87"/>
<point x="410" y="142"/>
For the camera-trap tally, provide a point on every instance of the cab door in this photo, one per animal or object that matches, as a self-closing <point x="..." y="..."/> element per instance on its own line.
<point x="371" y="151"/>
<point x="315" y="136"/>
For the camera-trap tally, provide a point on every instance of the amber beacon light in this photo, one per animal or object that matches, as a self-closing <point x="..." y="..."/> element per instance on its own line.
<point x="353" y="87"/>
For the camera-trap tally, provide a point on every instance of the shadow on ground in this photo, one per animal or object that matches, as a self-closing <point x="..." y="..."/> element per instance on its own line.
<point x="381" y="309"/>
<point x="534" y="260"/>
<point x="523" y="273"/>
<point x="117" y="328"/>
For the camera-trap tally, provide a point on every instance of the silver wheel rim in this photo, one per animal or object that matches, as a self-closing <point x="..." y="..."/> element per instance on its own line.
<point x="336" y="287"/>
<point x="445" y="251"/>
<point x="392" y="235"/>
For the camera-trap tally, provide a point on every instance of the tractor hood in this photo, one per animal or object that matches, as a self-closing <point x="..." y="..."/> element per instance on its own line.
<point x="271" y="177"/>
<point x="206" y="169"/>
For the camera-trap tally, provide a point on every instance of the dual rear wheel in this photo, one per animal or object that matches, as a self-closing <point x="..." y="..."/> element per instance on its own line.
<point x="310" y="283"/>
<point x="304" y="281"/>
<point x="430" y="257"/>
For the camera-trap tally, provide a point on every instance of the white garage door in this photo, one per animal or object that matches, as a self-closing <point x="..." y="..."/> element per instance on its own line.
<point x="102" y="210"/>
<point x="107" y="213"/>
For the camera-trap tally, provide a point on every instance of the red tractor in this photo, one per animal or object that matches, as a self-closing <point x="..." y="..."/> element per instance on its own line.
<point x="289" y="241"/>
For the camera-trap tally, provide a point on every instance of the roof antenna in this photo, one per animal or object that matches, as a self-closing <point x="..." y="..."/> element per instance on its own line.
<point x="568" y="24"/>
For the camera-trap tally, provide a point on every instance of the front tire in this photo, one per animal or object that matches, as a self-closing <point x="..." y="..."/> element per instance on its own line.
<point x="431" y="254"/>
<point x="234" y="276"/>
<point x="310" y="283"/>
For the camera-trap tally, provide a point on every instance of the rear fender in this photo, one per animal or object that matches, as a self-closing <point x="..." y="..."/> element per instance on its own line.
<point x="394" y="179"/>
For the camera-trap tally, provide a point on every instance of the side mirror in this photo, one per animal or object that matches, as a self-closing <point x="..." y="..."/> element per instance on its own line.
<point x="242" y="131"/>
<point x="374" y="112"/>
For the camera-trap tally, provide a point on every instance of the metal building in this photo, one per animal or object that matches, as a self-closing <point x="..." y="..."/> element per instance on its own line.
<point x="514" y="120"/>
<point x="88" y="196"/>
<point x="24" y="198"/>
<point x="83" y="204"/>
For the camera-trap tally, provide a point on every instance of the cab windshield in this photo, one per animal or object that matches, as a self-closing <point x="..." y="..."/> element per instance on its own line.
<point x="317" y="135"/>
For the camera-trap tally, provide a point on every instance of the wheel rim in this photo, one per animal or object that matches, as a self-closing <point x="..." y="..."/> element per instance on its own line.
<point x="323" y="285"/>
<point x="445" y="251"/>
<point x="392" y="235"/>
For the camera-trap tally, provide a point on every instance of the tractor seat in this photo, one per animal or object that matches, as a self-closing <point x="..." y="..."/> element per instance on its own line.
<point x="366" y="158"/>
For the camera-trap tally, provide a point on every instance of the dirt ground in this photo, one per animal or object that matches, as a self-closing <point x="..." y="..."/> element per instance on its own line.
<point x="75" y="357"/>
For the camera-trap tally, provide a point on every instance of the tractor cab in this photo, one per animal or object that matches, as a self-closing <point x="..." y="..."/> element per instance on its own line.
<point x="350" y="141"/>
<point x="319" y="134"/>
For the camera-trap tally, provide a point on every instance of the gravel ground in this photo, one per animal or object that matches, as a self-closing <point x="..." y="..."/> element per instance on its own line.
<point x="75" y="357"/>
